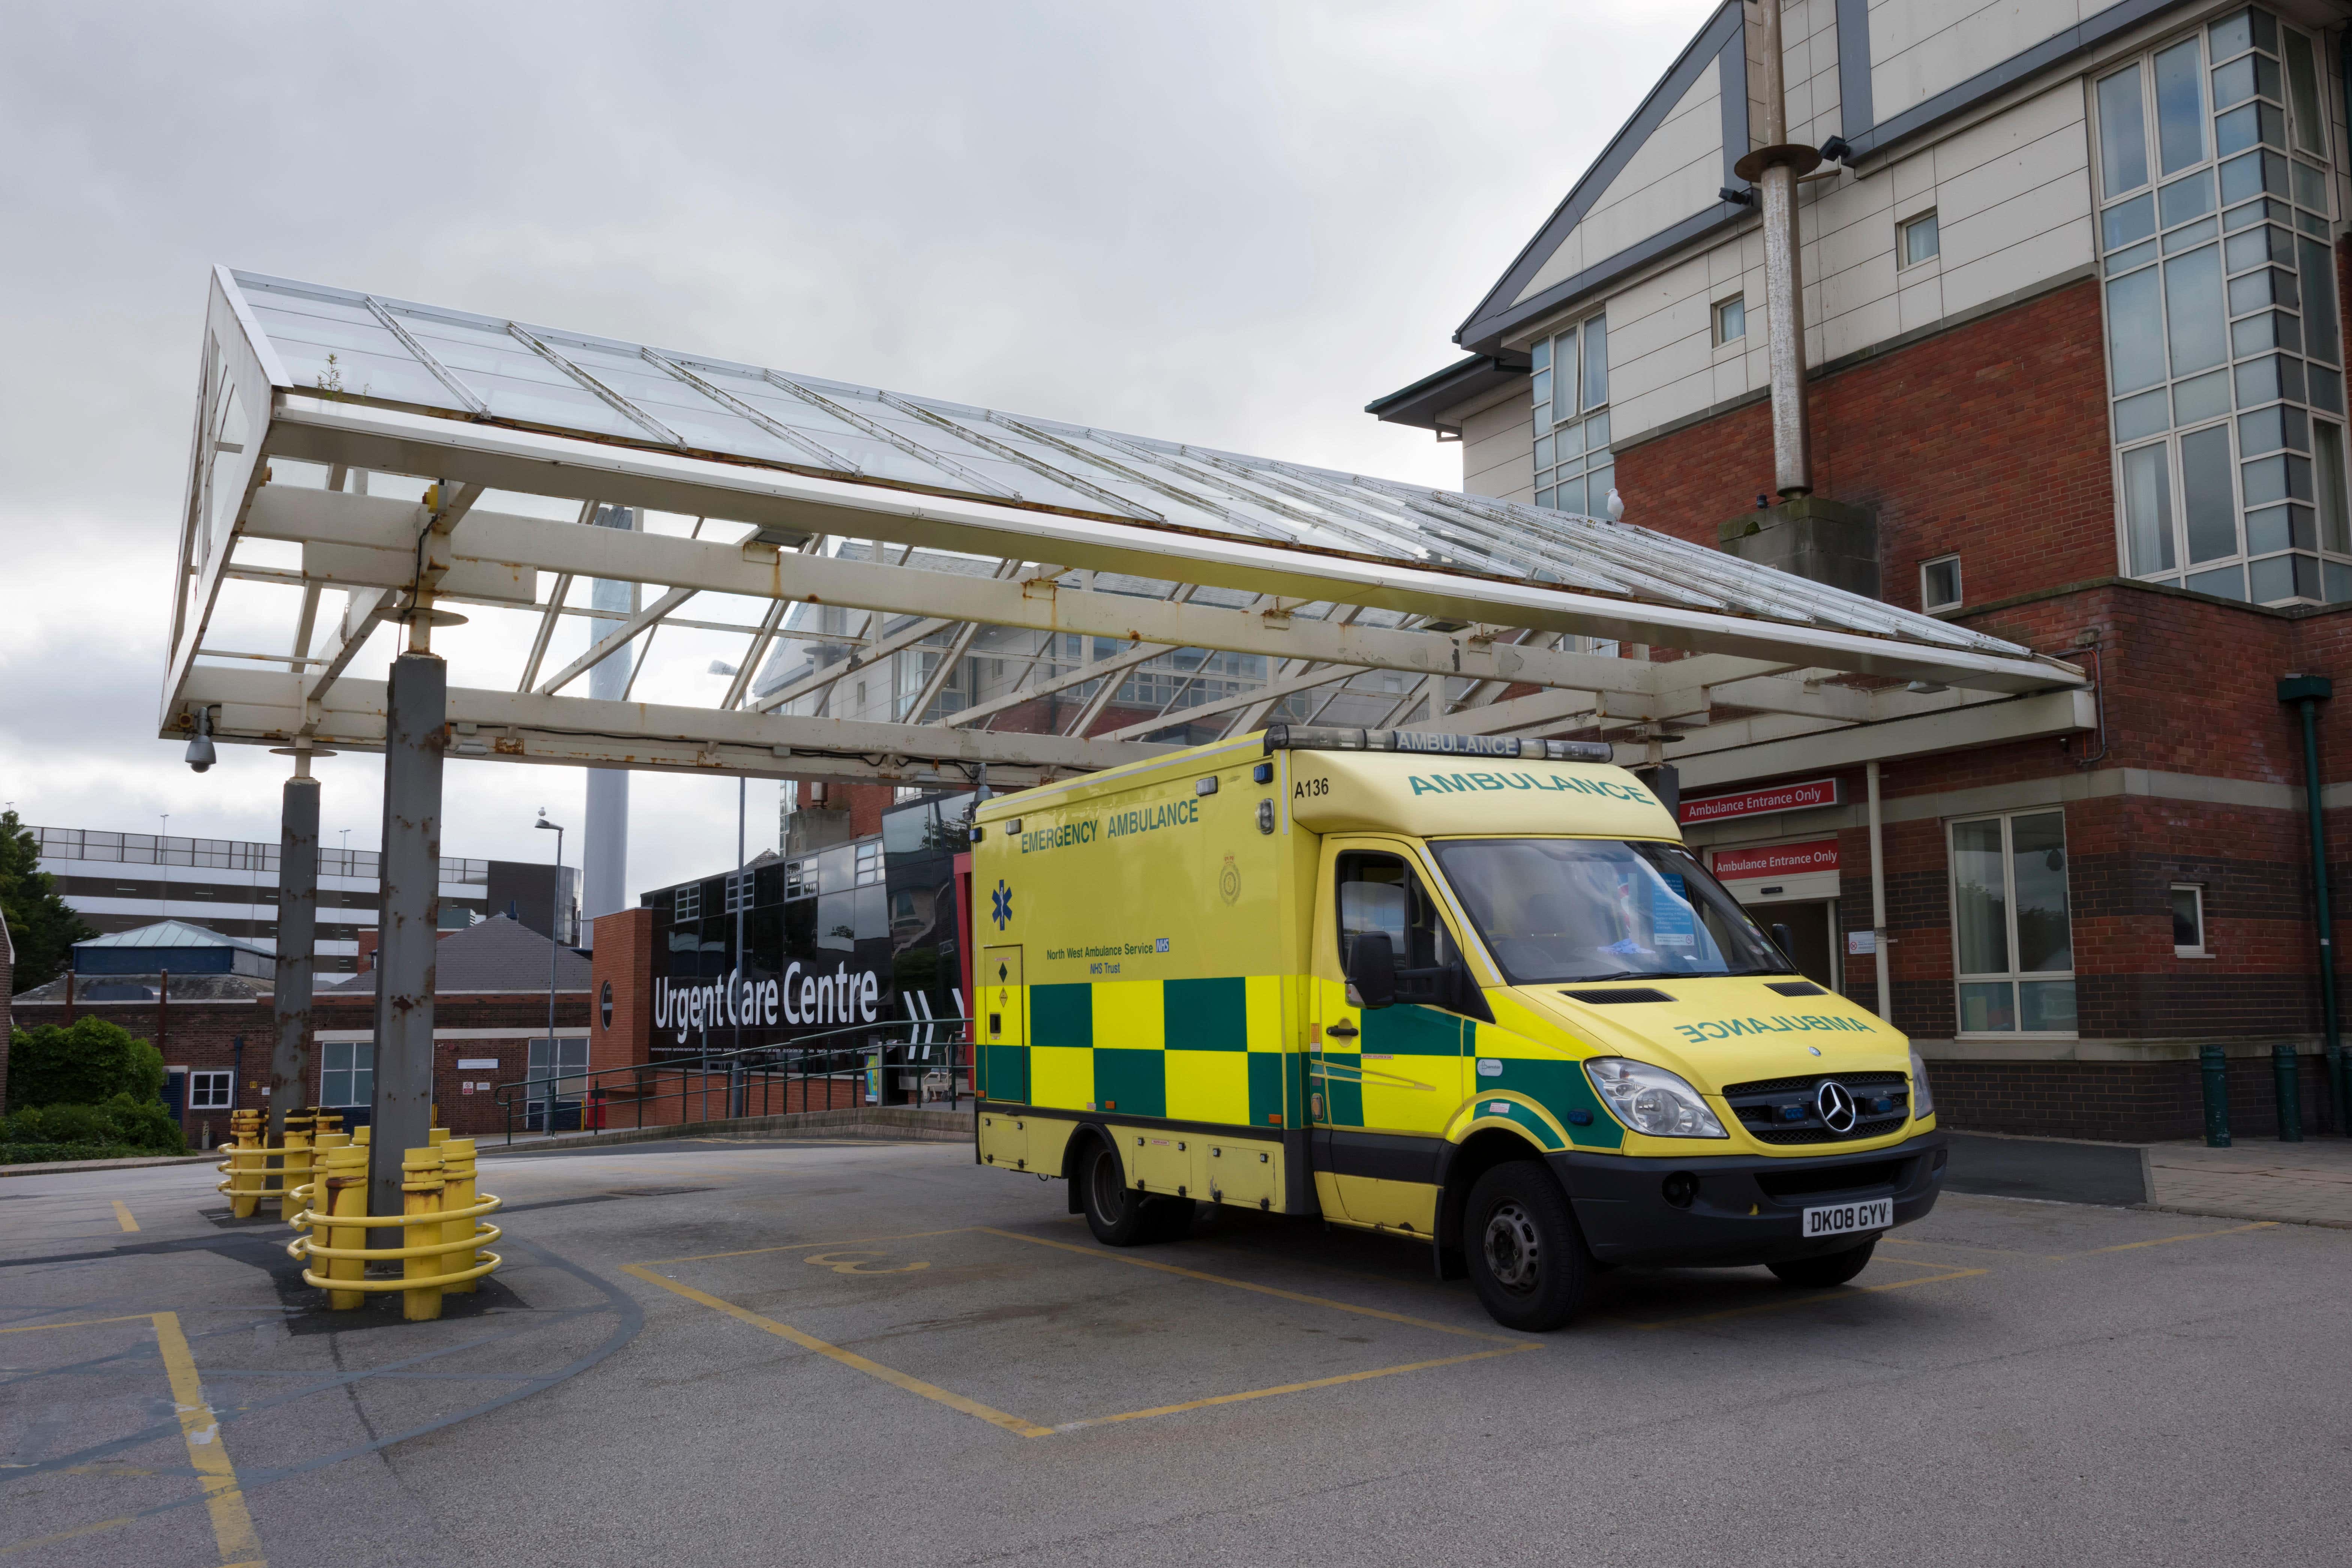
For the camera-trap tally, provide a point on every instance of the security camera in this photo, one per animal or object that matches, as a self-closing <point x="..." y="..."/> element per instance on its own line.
<point x="200" y="749"/>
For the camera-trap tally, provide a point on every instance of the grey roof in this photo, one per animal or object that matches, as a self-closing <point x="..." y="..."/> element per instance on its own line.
<point x="185" y="988"/>
<point x="499" y="955"/>
<point x="173" y="934"/>
<point x="341" y="344"/>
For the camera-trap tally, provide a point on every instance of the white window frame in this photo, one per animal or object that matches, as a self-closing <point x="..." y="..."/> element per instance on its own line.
<point x="348" y="1071"/>
<point x="685" y="904"/>
<point x="1959" y="588"/>
<point x="1594" y="459"/>
<point x="2014" y="976"/>
<point x="1722" y="338"/>
<point x="1904" y="228"/>
<point x="209" y="1081"/>
<point x="2203" y="947"/>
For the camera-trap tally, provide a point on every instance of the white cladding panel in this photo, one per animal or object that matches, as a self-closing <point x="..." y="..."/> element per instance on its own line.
<point x="1498" y="450"/>
<point x="2012" y="197"/>
<point x="1674" y="173"/>
<point x="1920" y="48"/>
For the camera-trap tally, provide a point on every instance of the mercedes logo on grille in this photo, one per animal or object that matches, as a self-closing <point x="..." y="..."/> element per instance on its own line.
<point x="1835" y="1104"/>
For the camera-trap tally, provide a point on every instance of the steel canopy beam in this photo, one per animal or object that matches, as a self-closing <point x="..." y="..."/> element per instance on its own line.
<point x="328" y="431"/>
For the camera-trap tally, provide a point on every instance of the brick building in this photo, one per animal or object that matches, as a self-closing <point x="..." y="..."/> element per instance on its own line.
<point x="490" y="1010"/>
<point x="2071" y="285"/>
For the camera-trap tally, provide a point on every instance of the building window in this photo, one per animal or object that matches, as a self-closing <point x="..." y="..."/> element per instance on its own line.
<point x="2012" y="937"/>
<point x="1574" y="470"/>
<point x="739" y="890"/>
<point x="2188" y="920"/>
<point x="2223" y="353"/>
<point x="1919" y="239"/>
<point x="1731" y="320"/>
<point x="869" y="863"/>
<point x="688" y="905"/>
<point x="211" y="1091"/>
<point x="346" y="1074"/>
<point x="1939" y="584"/>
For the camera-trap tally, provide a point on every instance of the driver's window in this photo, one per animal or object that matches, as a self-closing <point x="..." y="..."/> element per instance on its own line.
<point x="1380" y="893"/>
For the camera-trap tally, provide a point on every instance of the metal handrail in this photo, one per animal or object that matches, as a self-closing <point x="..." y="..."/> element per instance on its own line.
<point x="749" y="1072"/>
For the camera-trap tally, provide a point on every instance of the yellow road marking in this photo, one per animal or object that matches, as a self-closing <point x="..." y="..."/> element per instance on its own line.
<point x="2168" y="1240"/>
<point x="223" y="1499"/>
<point x="1817" y="1296"/>
<point x="200" y="1430"/>
<point x="1262" y="1290"/>
<point x="1966" y="1247"/>
<point x="122" y="1214"/>
<point x="798" y="1245"/>
<point x="855" y="1263"/>
<point x="79" y="1323"/>
<point x="896" y="1379"/>
<point x="1292" y="1387"/>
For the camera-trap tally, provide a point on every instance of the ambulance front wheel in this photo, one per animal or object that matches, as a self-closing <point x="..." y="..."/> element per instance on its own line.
<point x="1526" y="1255"/>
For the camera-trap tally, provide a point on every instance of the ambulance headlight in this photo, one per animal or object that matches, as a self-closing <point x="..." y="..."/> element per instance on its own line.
<point x="1652" y="1099"/>
<point x="1923" y="1100"/>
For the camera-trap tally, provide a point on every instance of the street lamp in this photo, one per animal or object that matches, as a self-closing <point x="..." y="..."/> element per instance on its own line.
<point x="554" y="909"/>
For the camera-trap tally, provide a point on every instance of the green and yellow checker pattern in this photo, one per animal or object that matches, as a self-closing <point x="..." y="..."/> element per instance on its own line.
<point x="1204" y="1051"/>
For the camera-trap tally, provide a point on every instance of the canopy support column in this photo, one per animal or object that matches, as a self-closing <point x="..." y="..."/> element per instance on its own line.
<point x="410" y="917"/>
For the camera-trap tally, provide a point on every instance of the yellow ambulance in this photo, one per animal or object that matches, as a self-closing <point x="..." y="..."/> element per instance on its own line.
<point x="1470" y="992"/>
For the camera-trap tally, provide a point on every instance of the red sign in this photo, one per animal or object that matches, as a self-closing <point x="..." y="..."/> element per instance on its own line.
<point x="1777" y="859"/>
<point x="1761" y="802"/>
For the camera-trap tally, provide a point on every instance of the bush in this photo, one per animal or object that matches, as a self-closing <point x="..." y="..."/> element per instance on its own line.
<point x="48" y="1154"/>
<point x="87" y="1062"/>
<point x="121" y="1123"/>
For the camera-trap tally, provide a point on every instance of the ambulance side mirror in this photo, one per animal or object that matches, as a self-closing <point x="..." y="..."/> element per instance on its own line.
<point x="1372" y="971"/>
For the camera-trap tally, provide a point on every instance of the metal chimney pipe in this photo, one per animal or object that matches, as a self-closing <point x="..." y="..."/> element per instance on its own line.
<point x="1776" y="167"/>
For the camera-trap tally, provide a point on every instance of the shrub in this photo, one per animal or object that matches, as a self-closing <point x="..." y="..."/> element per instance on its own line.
<point x="134" y="1126"/>
<point x="87" y="1062"/>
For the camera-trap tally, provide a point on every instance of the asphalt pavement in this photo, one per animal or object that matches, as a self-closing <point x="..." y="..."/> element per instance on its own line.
<point x="867" y="1352"/>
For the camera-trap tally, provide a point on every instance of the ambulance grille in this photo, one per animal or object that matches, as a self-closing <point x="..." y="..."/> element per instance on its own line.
<point x="1762" y="1106"/>
<point x="1621" y="994"/>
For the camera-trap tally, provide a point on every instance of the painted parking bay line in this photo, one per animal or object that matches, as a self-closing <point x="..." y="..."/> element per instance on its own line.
<point x="123" y="1216"/>
<point x="1026" y="1429"/>
<point x="891" y="1375"/>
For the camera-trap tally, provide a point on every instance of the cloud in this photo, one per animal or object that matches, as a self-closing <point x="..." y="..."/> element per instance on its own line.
<point x="1226" y="223"/>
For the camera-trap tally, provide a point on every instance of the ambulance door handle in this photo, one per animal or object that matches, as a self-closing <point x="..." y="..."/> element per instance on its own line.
<point x="1343" y="1030"/>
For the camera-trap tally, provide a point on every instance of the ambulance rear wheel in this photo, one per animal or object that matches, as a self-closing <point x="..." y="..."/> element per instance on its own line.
<point x="1117" y="1217"/>
<point x="1526" y="1253"/>
<point x="1821" y="1273"/>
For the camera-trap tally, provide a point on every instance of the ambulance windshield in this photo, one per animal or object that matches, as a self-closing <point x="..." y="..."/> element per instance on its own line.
<point x="1555" y="909"/>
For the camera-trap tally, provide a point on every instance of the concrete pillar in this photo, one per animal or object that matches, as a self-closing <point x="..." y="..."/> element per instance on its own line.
<point x="416" y="717"/>
<point x="297" y="916"/>
<point x="605" y="859"/>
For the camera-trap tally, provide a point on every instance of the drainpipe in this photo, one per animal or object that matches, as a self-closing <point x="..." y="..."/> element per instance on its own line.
<point x="1878" y="897"/>
<point x="1775" y="169"/>
<point x="2307" y="692"/>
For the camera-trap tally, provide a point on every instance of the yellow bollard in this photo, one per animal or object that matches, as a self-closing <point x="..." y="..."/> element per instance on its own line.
<point x="360" y="1135"/>
<point x="436" y="1136"/>
<point x="294" y="1171"/>
<point x="420" y="1189"/>
<point x="457" y="1196"/>
<point x="326" y="1121"/>
<point x="347" y="1193"/>
<point x="244" y="1163"/>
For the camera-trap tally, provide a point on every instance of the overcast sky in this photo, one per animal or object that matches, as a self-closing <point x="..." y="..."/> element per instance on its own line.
<point x="1230" y="224"/>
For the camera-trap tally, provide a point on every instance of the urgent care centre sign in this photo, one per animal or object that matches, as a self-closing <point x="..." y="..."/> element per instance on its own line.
<point x="1759" y="802"/>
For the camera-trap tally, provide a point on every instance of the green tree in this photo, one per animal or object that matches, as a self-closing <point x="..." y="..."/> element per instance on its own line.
<point x="42" y="925"/>
<point x="87" y="1062"/>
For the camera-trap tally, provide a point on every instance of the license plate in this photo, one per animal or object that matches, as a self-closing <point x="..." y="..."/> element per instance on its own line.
<point x="1838" y="1219"/>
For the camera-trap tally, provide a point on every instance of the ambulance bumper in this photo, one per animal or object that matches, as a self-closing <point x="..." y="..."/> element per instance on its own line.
<point x="1745" y="1209"/>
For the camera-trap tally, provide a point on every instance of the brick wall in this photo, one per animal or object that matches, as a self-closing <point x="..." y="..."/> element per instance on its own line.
<point x="1989" y="439"/>
<point x="2125" y="1101"/>
<point x="199" y="1036"/>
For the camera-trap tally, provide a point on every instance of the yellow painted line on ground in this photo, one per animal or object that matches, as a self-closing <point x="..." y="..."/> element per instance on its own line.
<point x="1292" y="1387"/>
<point x="224" y="1498"/>
<point x="80" y="1323"/>
<point x="2168" y="1240"/>
<point x="1808" y="1300"/>
<point x="1968" y="1247"/>
<point x="122" y="1215"/>
<point x="1109" y="1257"/>
<point x="851" y="1359"/>
<point x="798" y="1245"/>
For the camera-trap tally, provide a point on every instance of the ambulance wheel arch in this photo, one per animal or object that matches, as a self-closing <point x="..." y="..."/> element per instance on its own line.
<point x="1460" y="1164"/>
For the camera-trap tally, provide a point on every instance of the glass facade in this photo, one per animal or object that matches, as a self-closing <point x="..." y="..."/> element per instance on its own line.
<point x="2224" y="356"/>
<point x="1574" y="469"/>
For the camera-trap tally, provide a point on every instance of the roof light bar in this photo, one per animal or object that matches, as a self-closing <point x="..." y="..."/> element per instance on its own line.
<point x="1333" y="738"/>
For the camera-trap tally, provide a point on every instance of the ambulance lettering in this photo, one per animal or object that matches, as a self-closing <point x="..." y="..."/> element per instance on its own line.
<point x="1472" y="783"/>
<point x="1779" y="1024"/>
